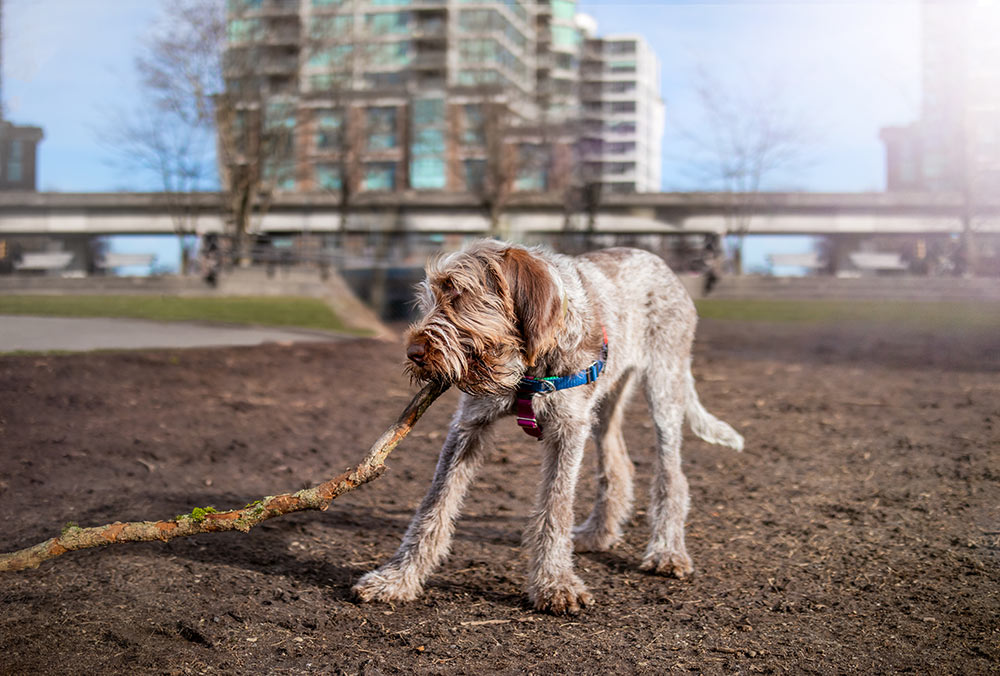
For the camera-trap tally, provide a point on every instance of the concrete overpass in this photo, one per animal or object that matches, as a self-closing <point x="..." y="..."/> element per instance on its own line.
<point x="90" y="214"/>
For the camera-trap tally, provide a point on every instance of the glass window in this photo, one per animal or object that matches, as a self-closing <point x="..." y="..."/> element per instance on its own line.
<point x="331" y="57"/>
<point x="385" y="80"/>
<point x="564" y="36"/>
<point x="427" y="173"/>
<point x="429" y="142"/>
<point x="392" y="54"/>
<point x="428" y="112"/>
<point x="280" y="115"/>
<point x="381" y="128"/>
<point x="327" y="3"/>
<point x="566" y="61"/>
<point x="241" y="30"/>
<point x="564" y="9"/>
<point x="328" y="177"/>
<point x="243" y="5"/>
<point x="531" y="180"/>
<point x="474" y="19"/>
<point x="475" y="174"/>
<point x="389" y="22"/>
<point x="331" y="27"/>
<point x="328" y="124"/>
<point x="621" y="47"/>
<point x="327" y="81"/>
<point x="15" y="163"/>
<point x="474" y="132"/>
<point x="380" y="176"/>
<point x="281" y="174"/>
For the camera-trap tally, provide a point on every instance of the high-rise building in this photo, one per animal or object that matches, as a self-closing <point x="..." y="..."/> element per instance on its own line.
<point x="955" y="145"/>
<point x="622" y="114"/>
<point x="414" y="94"/>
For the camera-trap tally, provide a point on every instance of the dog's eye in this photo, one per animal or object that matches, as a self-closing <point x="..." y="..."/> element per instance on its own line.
<point x="449" y="290"/>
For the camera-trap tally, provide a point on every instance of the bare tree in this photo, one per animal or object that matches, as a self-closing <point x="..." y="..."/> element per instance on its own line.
<point x="979" y="184"/>
<point x="255" y="111"/>
<point x="337" y="52"/>
<point x="208" y="73"/>
<point x="489" y="124"/>
<point x="745" y="137"/>
<point x="169" y="138"/>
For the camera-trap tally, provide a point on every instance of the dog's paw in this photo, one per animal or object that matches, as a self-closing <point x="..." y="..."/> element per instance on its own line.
<point x="589" y="539"/>
<point x="669" y="564"/>
<point x="567" y="597"/>
<point x="388" y="585"/>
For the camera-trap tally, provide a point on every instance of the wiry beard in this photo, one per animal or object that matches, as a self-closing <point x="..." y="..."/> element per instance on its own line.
<point x="488" y="377"/>
<point x="495" y="372"/>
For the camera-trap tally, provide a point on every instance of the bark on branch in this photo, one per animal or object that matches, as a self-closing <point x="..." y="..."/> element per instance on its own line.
<point x="210" y="521"/>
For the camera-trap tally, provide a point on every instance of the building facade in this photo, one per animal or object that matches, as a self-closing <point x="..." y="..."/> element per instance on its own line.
<point x="451" y="95"/>
<point x="18" y="153"/>
<point x="622" y="114"/>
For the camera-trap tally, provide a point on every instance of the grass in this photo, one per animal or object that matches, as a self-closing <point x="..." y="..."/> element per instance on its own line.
<point x="306" y="313"/>
<point x="311" y="313"/>
<point x="937" y="315"/>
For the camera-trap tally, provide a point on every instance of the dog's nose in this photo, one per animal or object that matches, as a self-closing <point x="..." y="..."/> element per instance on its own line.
<point x="416" y="353"/>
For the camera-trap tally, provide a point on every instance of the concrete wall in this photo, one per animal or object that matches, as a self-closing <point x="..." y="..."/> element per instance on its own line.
<point x="880" y="288"/>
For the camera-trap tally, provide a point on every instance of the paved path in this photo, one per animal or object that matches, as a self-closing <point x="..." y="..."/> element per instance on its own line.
<point x="76" y="334"/>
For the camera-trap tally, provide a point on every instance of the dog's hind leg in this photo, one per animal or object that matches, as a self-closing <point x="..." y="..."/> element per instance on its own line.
<point x="669" y="501"/>
<point x="428" y="537"/>
<point x="603" y="528"/>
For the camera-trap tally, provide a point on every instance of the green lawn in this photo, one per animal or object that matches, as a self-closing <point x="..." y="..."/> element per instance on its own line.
<point x="306" y="313"/>
<point x="314" y="314"/>
<point x="920" y="314"/>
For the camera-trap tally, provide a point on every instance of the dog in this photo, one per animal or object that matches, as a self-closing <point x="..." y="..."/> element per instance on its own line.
<point x="560" y="342"/>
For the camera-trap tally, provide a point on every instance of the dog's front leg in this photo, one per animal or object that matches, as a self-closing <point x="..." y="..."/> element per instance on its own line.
<point x="553" y="585"/>
<point x="429" y="535"/>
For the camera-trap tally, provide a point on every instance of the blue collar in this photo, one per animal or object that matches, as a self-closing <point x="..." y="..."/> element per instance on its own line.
<point x="529" y="387"/>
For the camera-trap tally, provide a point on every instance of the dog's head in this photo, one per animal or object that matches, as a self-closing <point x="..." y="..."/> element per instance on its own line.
<point x="489" y="312"/>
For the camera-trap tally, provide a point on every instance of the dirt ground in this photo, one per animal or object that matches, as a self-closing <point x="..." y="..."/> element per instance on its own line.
<point x="858" y="532"/>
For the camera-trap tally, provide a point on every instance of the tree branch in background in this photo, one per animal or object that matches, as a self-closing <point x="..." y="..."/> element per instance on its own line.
<point x="169" y="138"/>
<point x="208" y="520"/>
<point x="749" y="134"/>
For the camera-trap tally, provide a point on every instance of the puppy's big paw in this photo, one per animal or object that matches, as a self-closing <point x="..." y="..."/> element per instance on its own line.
<point x="671" y="565"/>
<point x="589" y="539"/>
<point x="565" y="597"/>
<point x="388" y="585"/>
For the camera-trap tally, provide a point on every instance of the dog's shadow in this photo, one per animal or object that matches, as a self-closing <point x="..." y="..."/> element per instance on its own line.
<point x="288" y="547"/>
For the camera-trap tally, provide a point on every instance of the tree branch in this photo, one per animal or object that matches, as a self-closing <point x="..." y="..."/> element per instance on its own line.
<point x="207" y="520"/>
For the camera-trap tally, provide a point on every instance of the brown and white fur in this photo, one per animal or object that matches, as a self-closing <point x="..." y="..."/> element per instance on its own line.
<point x="495" y="312"/>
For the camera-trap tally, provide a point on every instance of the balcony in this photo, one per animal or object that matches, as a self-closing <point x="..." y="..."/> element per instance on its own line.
<point x="430" y="60"/>
<point x="436" y="30"/>
<point x="286" y="35"/>
<point x="279" y="64"/>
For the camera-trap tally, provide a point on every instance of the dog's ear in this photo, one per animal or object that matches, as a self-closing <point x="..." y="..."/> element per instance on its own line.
<point x="537" y="300"/>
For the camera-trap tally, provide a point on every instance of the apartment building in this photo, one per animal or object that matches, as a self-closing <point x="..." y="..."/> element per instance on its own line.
<point x="18" y="152"/>
<point x="623" y="114"/>
<point x="411" y="94"/>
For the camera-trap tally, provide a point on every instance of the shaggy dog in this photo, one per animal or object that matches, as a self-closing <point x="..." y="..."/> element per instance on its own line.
<point x="560" y="342"/>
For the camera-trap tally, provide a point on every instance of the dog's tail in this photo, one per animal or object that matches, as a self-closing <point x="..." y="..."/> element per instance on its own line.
<point x="706" y="425"/>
